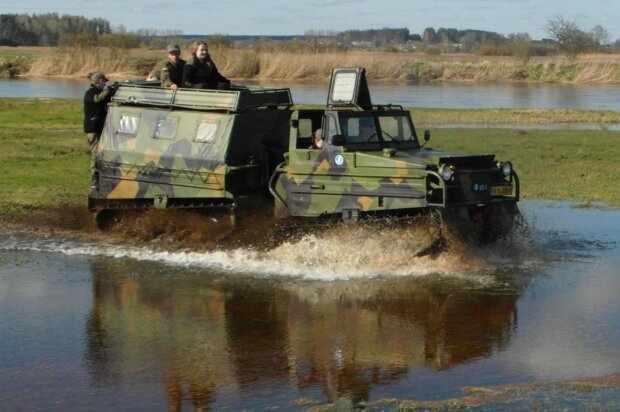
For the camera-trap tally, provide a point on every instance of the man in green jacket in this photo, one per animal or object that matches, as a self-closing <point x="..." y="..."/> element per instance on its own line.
<point x="172" y="72"/>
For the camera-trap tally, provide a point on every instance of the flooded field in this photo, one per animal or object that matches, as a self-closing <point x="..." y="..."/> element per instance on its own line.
<point x="346" y="318"/>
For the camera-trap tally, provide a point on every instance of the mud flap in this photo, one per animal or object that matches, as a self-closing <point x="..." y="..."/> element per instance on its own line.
<point x="350" y="216"/>
<point x="160" y="201"/>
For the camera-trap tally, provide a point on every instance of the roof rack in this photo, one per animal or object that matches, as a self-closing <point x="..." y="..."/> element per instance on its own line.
<point x="233" y="100"/>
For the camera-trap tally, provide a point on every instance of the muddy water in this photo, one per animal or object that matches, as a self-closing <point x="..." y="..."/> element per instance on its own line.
<point x="348" y="318"/>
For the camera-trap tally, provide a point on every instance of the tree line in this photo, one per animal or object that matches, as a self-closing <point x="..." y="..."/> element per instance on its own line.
<point x="564" y="36"/>
<point x="47" y="29"/>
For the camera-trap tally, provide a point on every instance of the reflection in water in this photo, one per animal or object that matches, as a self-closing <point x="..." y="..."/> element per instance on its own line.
<point x="205" y="337"/>
<point x="376" y="331"/>
<point x="151" y="327"/>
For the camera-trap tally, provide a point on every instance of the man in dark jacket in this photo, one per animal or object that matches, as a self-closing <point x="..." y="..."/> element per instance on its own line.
<point x="96" y="101"/>
<point x="172" y="72"/>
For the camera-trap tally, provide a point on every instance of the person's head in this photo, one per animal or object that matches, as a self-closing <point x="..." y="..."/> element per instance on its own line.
<point x="367" y="122"/>
<point x="200" y="49"/>
<point x="317" y="138"/>
<point x="367" y="125"/>
<point x="174" y="52"/>
<point x="98" y="79"/>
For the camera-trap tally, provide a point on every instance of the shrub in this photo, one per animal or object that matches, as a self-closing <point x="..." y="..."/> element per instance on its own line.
<point x="145" y="65"/>
<point x="494" y="50"/>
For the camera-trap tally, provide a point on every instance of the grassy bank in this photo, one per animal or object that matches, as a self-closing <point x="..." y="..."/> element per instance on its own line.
<point x="44" y="158"/>
<point x="252" y="64"/>
<point x="490" y="117"/>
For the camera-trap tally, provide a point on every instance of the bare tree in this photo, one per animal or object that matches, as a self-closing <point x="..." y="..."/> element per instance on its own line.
<point x="572" y="41"/>
<point x="120" y="29"/>
<point x="600" y="36"/>
<point x="521" y="46"/>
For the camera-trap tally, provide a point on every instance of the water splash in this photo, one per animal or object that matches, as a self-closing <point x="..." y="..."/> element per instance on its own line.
<point x="340" y="253"/>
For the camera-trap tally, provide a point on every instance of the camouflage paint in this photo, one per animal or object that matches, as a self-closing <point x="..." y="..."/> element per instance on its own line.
<point x="150" y="154"/>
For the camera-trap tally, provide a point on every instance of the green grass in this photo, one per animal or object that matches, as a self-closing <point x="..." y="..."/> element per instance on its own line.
<point x="44" y="159"/>
<point x="429" y="117"/>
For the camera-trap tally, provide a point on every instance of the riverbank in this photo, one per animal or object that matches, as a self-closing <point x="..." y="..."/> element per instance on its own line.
<point x="243" y="64"/>
<point x="45" y="159"/>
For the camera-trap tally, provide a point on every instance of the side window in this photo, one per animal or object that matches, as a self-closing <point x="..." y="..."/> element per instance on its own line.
<point x="305" y="128"/>
<point x="128" y="124"/>
<point x="206" y="132"/>
<point x="304" y="133"/>
<point x="166" y="128"/>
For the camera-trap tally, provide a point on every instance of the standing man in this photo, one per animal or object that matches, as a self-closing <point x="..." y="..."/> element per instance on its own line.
<point x="96" y="101"/>
<point x="172" y="72"/>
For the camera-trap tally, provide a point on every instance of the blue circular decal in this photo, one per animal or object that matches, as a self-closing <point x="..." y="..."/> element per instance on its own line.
<point x="339" y="159"/>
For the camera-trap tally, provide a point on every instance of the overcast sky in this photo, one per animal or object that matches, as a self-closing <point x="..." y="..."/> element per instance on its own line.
<point x="290" y="17"/>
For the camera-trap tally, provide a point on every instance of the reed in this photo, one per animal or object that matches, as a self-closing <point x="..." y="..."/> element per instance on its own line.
<point x="80" y="61"/>
<point x="316" y="65"/>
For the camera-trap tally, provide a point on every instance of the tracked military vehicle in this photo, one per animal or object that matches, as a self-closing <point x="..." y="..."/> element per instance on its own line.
<point x="215" y="148"/>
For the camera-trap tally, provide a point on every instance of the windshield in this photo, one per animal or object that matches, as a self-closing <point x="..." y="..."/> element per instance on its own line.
<point x="377" y="130"/>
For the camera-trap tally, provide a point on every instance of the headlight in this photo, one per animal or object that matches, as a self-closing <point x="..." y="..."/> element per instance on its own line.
<point x="507" y="168"/>
<point x="446" y="172"/>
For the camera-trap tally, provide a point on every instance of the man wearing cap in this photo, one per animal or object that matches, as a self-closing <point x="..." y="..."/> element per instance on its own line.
<point x="172" y="72"/>
<point x="96" y="101"/>
<point x="367" y="130"/>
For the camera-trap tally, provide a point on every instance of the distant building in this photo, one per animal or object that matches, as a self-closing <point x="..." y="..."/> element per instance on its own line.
<point x="362" y="45"/>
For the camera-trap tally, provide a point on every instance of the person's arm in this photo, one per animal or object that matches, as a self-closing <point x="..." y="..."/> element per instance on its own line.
<point x="165" y="77"/>
<point x="103" y="95"/>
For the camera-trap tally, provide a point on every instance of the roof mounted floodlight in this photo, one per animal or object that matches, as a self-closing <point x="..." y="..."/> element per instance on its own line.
<point x="349" y="87"/>
<point x="344" y="87"/>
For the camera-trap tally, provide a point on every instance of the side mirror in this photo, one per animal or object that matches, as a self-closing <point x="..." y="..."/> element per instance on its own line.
<point x="427" y="135"/>
<point x="338" y="140"/>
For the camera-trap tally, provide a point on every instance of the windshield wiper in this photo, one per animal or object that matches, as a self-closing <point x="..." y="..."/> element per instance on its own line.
<point x="392" y="138"/>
